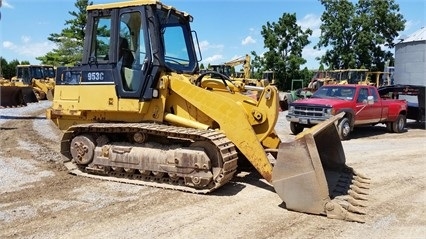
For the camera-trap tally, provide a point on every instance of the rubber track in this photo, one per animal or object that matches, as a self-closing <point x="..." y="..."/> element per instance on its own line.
<point x="224" y="145"/>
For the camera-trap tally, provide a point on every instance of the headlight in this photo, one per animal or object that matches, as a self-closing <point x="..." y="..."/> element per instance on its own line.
<point x="291" y="109"/>
<point x="328" y="112"/>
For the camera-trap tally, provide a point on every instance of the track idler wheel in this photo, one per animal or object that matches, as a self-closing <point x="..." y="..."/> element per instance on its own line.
<point x="82" y="149"/>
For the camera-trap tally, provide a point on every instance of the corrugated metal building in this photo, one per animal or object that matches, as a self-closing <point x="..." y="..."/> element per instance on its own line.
<point x="410" y="59"/>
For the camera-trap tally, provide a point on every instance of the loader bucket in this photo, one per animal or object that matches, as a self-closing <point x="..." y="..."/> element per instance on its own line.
<point x="310" y="175"/>
<point x="29" y="95"/>
<point x="11" y="96"/>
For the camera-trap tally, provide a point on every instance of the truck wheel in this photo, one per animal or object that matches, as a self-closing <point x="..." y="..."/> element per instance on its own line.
<point x="344" y="128"/>
<point x="296" y="128"/>
<point x="284" y="102"/>
<point x="389" y="127"/>
<point x="399" y="125"/>
<point x="284" y="105"/>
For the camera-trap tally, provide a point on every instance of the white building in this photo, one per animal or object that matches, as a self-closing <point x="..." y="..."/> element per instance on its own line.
<point x="410" y="59"/>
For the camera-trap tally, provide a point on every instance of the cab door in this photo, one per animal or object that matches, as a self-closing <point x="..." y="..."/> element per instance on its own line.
<point x="133" y="53"/>
<point x="366" y="113"/>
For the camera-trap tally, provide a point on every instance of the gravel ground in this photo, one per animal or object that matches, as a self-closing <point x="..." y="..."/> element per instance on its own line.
<point x="39" y="199"/>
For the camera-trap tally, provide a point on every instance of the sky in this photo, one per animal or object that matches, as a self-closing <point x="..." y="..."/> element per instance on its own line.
<point x="226" y="29"/>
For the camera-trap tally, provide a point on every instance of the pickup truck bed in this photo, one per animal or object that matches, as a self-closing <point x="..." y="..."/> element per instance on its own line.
<point x="416" y="98"/>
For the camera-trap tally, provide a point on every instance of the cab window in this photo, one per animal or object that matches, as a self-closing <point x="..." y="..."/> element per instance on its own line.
<point x="101" y="41"/>
<point x="363" y="95"/>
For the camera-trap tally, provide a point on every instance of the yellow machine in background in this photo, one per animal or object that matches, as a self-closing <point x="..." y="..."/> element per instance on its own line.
<point x="39" y="77"/>
<point x="341" y="76"/>
<point x="377" y="78"/>
<point x="226" y="67"/>
<point x="30" y="84"/>
<point x="245" y="61"/>
<point x="245" y="74"/>
<point x="357" y="76"/>
<point x="138" y="111"/>
<point x="241" y="79"/>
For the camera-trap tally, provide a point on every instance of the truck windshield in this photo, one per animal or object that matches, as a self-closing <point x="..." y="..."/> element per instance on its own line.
<point x="344" y="93"/>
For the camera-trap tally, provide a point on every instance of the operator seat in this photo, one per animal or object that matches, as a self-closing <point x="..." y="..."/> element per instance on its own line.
<point x="125" y="54"/>
<point x="125" y="62"/>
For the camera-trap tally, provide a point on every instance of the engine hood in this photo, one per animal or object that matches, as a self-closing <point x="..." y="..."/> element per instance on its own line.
<point x="331" y="102"/>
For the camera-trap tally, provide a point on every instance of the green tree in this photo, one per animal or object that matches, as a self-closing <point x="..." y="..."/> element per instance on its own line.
<point x="3" y="63"/>
<point x="306" y="75"/>
<point x="232" y="71"/>
<point x="357" y="34"/>
<point x="285" y="41"/>
<point x="70" y="41"/>
<point x="256" y="65"/>
<point x="8" y="69"/>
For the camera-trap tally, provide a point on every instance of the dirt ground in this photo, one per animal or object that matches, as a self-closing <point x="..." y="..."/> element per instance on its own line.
<point x="39" y="199"/>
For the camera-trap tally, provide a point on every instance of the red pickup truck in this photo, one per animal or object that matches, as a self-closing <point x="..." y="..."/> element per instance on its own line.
<point x="362" y="105"/>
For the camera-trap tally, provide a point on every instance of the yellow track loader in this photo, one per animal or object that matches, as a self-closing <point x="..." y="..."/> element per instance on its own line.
<point x="39" y="77"/>
<point x="138" y="111"/>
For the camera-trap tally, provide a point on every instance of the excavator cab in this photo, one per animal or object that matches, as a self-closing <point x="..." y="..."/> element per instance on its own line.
<point x="137" y="110"/>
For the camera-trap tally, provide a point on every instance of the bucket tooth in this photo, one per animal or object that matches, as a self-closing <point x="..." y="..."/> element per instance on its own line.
<point x="351" y="208"/>
<point x="360" y="184"/>
<point x="360" y="175"/>
<point x="358" y="190"/>
<point x="351" y="200"/>
<point x="356" y="195"/>
<point x="361" y="180"/>
<point x="336" y="211"/>
<point x="355" y="202"/>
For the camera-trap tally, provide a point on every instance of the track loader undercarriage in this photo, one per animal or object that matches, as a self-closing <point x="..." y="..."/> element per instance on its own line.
<point x="307" y="178"/>
<point x="155" y="155"/>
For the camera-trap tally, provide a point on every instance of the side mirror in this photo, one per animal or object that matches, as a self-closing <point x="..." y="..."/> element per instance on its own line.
<point x="370" y="100"/>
